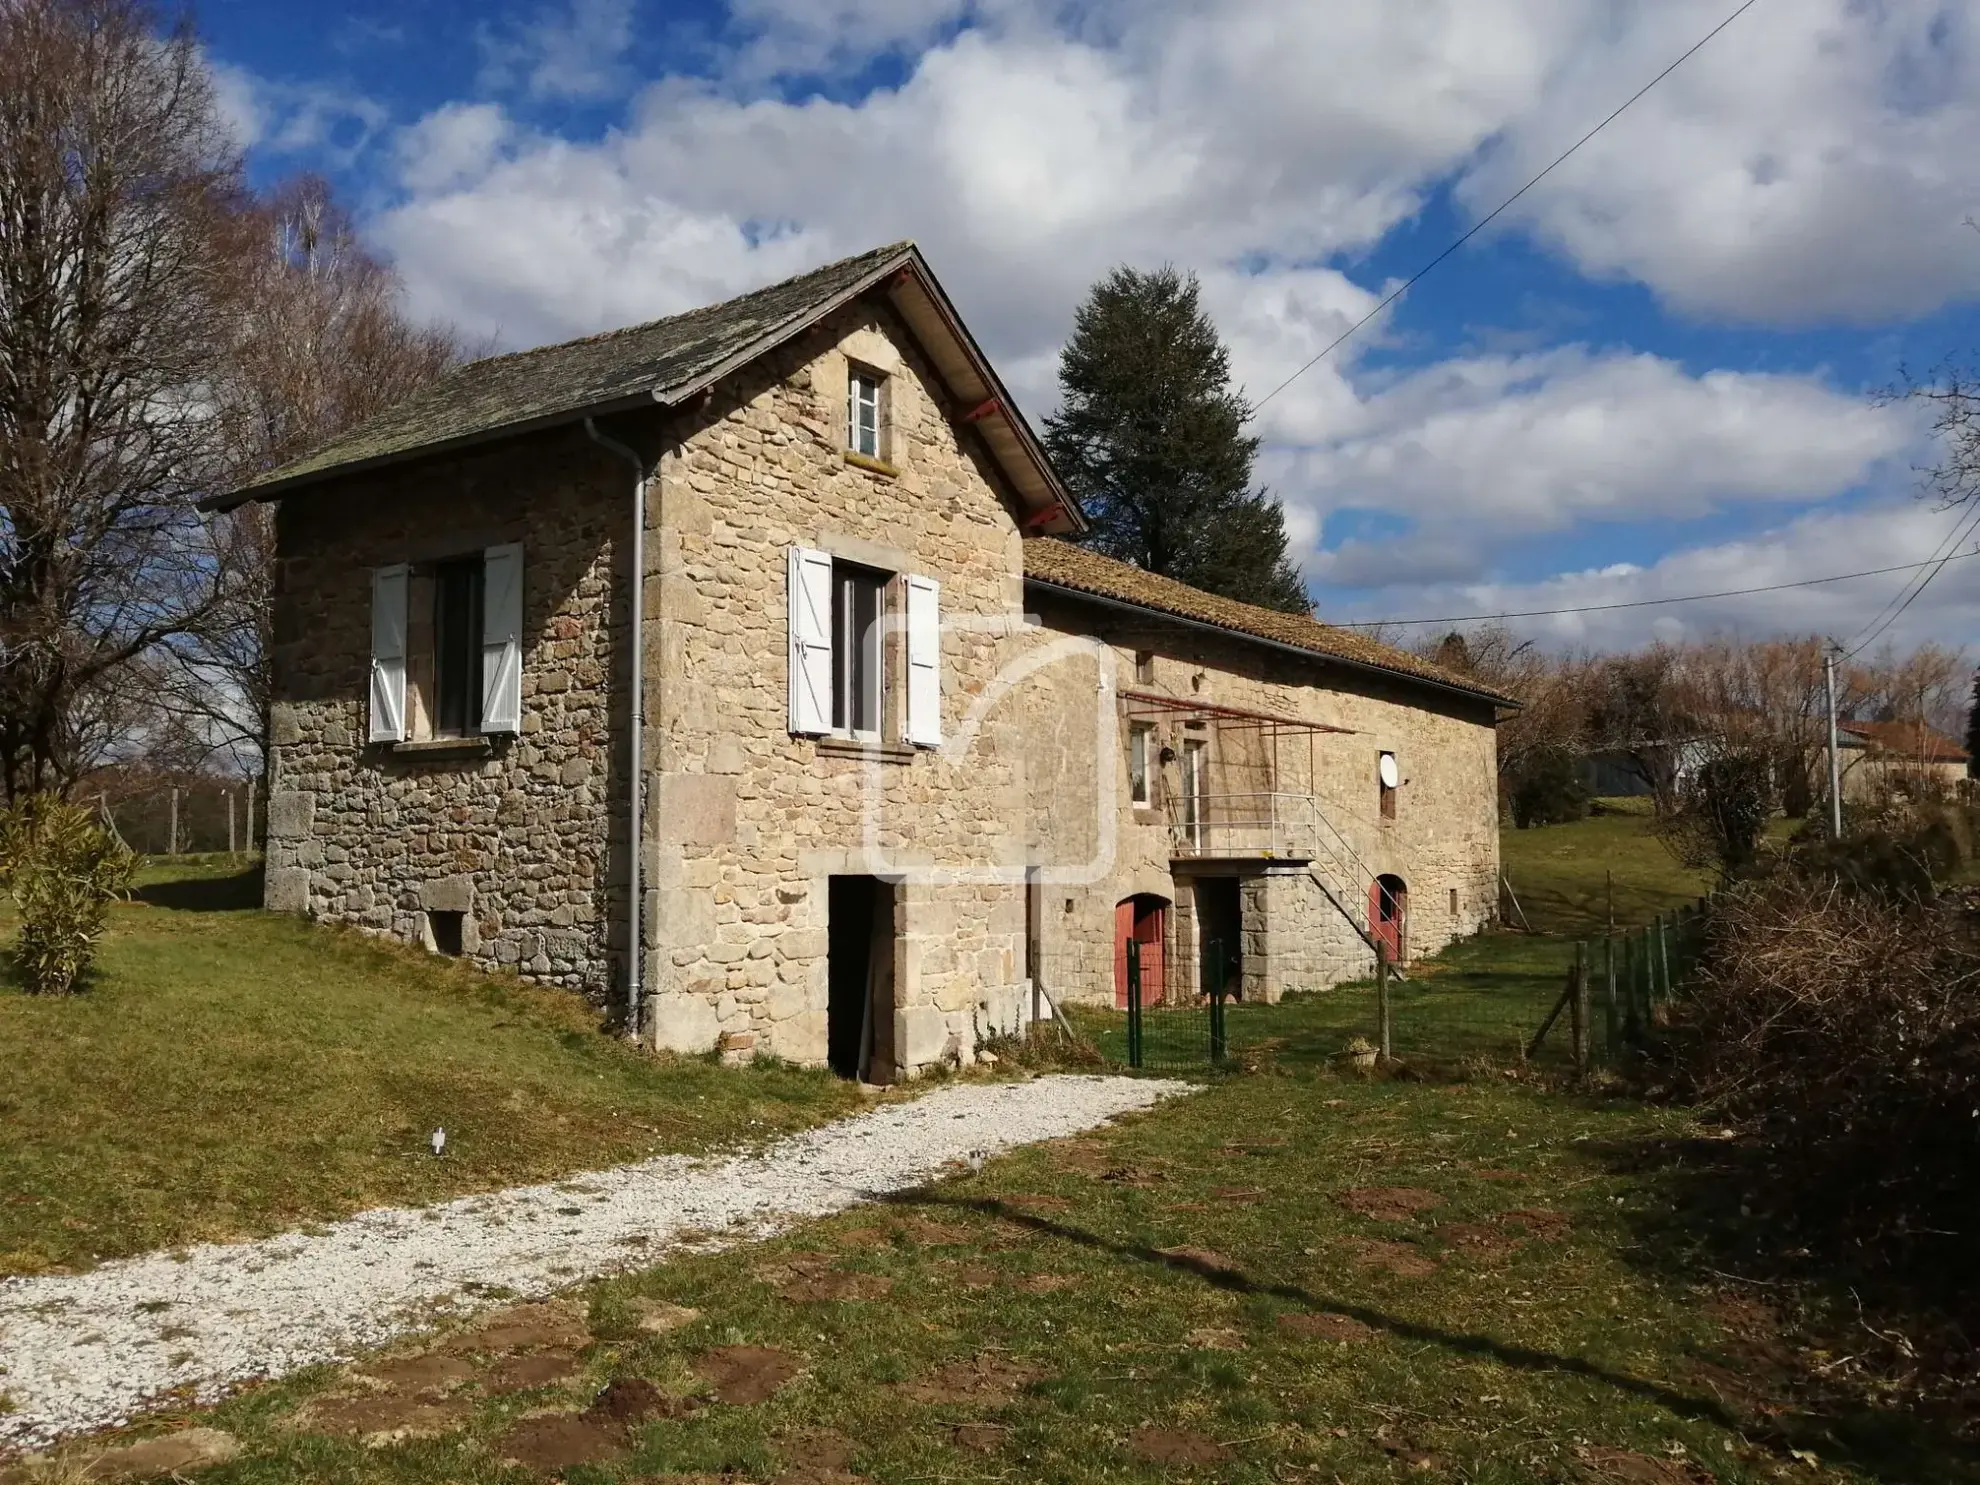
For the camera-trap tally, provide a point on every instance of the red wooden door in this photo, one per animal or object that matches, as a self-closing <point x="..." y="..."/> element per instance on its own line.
<point x="1386" y="899"/>
<point x="1141" y="919"/>
<point x="1123" y="931"/>
<point x="1148" y="926"/>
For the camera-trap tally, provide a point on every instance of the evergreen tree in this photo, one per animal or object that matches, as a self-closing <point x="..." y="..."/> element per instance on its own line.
<point x="1973" y="732"/>
<point x="1150" y="437"/>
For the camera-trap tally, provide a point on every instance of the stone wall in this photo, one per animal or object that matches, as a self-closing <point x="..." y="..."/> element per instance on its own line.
<point x="516" y="837"/>
<point x="1442" y="839"/>
<point x="751" y="822"/>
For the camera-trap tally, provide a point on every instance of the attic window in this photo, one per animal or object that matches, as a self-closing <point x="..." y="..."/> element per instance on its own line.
<point x="863" y="413"/>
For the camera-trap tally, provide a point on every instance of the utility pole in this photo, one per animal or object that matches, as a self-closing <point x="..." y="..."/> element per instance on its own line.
<point x="1835" y="765"/>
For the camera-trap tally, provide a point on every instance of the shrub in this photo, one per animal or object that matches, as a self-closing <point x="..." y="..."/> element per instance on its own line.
<point x="1841" y="1029"/>
<point x="1722" y="811"/>
<point x="62" y="869"/>
<point x="1548" y="790"/>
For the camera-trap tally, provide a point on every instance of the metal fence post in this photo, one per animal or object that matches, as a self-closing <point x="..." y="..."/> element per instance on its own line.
<point x="1578" y="1008"/>
<point x="1134" y="1002"/>
<point x="1386" y="1040"/>
<point x="1219" y="973"/>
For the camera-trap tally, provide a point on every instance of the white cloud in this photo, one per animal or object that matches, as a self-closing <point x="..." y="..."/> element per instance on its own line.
<point x="575" y="51"/>
<point x="1818" y="544"/>
<point x="451" y="147"/>
<point x="1813" y="162"/>
<point x="1485" y="451"/>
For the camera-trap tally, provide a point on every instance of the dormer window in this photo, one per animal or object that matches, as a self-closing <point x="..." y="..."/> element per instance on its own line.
<point x="863" y="413"/>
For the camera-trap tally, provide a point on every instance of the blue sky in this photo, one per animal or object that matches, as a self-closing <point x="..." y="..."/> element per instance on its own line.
<point x="1652" y="377"/>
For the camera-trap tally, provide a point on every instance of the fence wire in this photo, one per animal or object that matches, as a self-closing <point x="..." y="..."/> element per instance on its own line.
<point x="197" y="819"/>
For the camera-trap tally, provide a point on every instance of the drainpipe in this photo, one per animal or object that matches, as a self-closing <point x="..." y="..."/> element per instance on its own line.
<point x="635" y="943"/>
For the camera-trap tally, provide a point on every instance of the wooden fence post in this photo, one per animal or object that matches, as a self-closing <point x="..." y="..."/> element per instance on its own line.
<point x="250" y="812"/>
<point x="1611" y="1014"/>
<point x="172" y="829"/>
<point x="230" y="822"/>
<point x="1578" y="1009"/>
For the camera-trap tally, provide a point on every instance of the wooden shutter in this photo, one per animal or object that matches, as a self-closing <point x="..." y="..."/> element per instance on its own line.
<point x="924" y="662"/>
<point x="810" y="583"/>
<point x="388" y="652"/>
<point x="501" y="638"/>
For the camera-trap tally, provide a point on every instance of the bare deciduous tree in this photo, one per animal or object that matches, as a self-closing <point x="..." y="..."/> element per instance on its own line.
<point x="116" y="184"/>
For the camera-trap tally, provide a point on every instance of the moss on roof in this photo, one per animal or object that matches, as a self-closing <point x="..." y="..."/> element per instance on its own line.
<point x="565" y="380"/>
<point x="1083" y="570"/>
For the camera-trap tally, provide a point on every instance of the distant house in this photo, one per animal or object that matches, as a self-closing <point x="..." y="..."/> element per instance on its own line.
<point x="790" y="563"/>
<point x="1875" y="755"/>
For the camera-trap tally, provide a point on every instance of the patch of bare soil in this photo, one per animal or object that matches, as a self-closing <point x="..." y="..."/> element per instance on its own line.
<point x="626" y="1402"/>
<point x="534" y="1369"/>
<point x="554" y="1442"/>
<point x="984" y="1378"/>
<point x="1399" y="1259"/>
<point x="531" y="1327"/>
<point x="384" y="1417"/>
<point x="1088" y="1157"/>
<point x="656" y="1317"/>
<point x="1405" y="1450"/>
<point x="1325" y="1327"/>
<point x="171" y="1454"/>
<point x="817" y="1449"/>
<point x="980" y="1438"/>
<point x="929" y="1233"/>
<point x="836" y="1286"/>
<point x="745" y="1374"/>
<point x="1625" y="1468"/>
<point x="1140" y="1178"/>
<point x="1479" y="1239"/>
<point x="978" y="1276"/>
<point x="1541" y="1222"/>
<point x="1389" y="1203"/>
<point x="1202" y="1260"/>
<point x="421" y="1376"/>
<point x="1171" y="1446"/>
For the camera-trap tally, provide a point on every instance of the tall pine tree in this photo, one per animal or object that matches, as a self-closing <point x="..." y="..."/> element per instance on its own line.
<point x="1150" y="436"/>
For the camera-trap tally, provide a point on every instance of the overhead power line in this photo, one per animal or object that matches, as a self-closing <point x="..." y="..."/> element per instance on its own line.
<point x="1596" y="608"/>
<point x="1485" y="222"/>
<point x="1875" y="628"/>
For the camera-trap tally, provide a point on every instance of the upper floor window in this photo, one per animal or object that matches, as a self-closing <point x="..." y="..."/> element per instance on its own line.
<point x="863" y="413"/>
<point x="1144" y="666"/>
<point x="1141" y="741"/>
<point x="446" y="648"/>
<point x="1387" y="778"/>
<point x="859" y="597"/>
<point x="457" y="594"/>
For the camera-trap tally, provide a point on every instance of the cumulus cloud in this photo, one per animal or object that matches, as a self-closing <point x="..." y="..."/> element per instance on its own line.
<point x="573" y="51"/>
<point x="1817" y="544"/>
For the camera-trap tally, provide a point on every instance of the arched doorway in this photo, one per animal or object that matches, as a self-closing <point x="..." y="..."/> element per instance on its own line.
<point x="1388" y="915"/>
<point x="1144" y="918"/>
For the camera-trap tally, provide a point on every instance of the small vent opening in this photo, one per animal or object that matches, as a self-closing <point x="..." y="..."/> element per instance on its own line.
<point x="447" y="929"/>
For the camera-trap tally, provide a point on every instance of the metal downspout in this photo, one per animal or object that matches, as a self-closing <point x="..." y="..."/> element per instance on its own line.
<point x="635" y="941"/>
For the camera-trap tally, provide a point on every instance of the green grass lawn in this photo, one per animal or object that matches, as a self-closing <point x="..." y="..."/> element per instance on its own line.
<point x="1563" y="874"/>
<point x="232" y="1073"/>
<point x="1280" y="1279"/>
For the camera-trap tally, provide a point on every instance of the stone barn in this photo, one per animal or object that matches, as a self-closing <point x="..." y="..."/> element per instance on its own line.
<point x="797" y="567"/>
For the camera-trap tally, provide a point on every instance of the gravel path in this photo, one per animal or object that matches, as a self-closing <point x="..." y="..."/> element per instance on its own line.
<point x="86" y="1351"/>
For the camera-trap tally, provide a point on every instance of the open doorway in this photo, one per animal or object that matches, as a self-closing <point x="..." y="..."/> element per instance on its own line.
<point x="1219" y="935"/>
<point x="859" y="1011"/>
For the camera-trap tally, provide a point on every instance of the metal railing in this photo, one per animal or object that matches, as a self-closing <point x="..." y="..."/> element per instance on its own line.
<point x="1277" y="825"/>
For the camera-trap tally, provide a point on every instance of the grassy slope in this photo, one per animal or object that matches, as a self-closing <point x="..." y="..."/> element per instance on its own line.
<point x="233" y="1073"/>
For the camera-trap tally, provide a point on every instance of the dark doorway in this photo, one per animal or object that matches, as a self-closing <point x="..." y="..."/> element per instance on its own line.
<point x="1220" y="935"/>
<point x="859" y="1013"/>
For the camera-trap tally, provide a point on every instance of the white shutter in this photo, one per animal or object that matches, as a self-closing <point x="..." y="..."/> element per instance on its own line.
<point x="810" y="575"/>
<point x="501" y="638"/>
<point x="924" y="662"/>
<point x="388" y="652"/>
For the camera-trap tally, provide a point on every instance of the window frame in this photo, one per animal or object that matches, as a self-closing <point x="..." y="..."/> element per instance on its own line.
<point x="1387" y="791"/>
<point x="859" y="658"/>
<point x="1141" y="772"/>
<point x="859" y="378"/>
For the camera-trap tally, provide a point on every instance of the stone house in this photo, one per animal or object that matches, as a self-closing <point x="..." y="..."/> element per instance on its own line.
<point x="1878" y="756"/>
<point x="903" y="753"/>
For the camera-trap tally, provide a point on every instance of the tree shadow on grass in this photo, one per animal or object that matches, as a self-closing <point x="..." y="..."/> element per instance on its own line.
<point x="225" y="894"/>
<point x="1890" y="1446"/>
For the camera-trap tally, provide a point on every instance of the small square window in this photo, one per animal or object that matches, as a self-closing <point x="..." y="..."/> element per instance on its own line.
<point x="449" y="930"/>
<point x="1144" y="666"/>
<point x="1454" y="906"/>
<point x="863" y="413"/>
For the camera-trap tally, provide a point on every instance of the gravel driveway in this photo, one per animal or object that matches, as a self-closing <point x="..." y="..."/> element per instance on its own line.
<point x="86" y="1351"/>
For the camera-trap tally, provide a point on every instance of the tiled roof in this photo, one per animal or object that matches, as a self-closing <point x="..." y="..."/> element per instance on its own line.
<point x="1081" y="569"/>
<point x="1906" y="740"/>
<point x="537" y="386"/>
